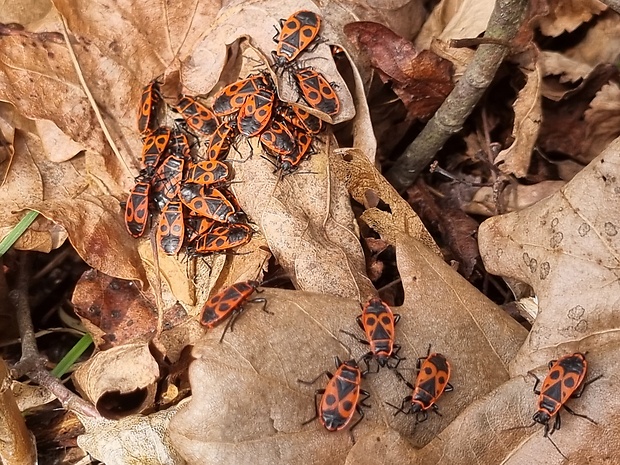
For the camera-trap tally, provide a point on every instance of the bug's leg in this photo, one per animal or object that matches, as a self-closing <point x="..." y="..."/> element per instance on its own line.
<point x="264" y="302"/>
<point x="366" y="395"/>
<point x="402" y="378"/>
<point x="396" y="318"/>
<point x="536" y="391"/>
<point x="436" y="410"/>
<point x="422" y="416"/>
<point x="401" y="409"/>
<point x="396" y="357"/>
<point x="448" y="388"/>
<point x="358" y="339"/>
<point x="583" y="386"/>
<point x="231" y="322"/>
<point x="317" y="393"/>
<point x="581" y="415"/>
<point x="326" y="373"/>
<point x="360" y="323"/>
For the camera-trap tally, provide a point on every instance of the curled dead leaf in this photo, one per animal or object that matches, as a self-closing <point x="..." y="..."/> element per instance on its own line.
<point x="128" y="370"/>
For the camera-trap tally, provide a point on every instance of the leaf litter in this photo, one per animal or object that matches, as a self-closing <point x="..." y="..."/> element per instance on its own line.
<point x="246" y="402"/>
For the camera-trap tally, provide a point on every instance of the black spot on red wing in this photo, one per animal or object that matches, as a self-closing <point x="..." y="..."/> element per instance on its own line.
<point x="428" y="370"/>
<point x="441" y="380"/>
<point x="313" y="95"/>
<point x="224" y="306"/>
<point x="386" y="320"/>
<point x="139" y="214"/>
<point x="216" y="298"/>
<point x="219" y="242"/>
<point x="554" y="374"/>
<point x="371" y="321"/>
<point x="233" y="88"/>
<point x="330" y="399"/>
<point x="347" y="405"/>
<point x="569" y="382"/>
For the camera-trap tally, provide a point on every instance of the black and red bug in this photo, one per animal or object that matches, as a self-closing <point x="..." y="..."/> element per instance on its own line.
<point x="564" y="381"/>
<point x="153" y="148"/>
<point x="566" y="375"/>
<point x="317" y="91"/>
<point x="179" y="145"/>
<point x="208" y="172"/>
<point x="196" y="115"/>
<point x="221" y="238"/>
<point x="231" y="98"/>
<point x="137" y="208"/>
<point x="229" y="302"/>
<point x="171" y="230"/>
<point x="433" y="374"/>
<point x="196" y="226"/>
<point x="255" y="113"/>
<point x="147" y="113"/>
<point x="220" y="141"/>
<point x="300" y="118"/>
<point x="289" y="162"/>
<point x="296" y="34"/>
<point x="167" y="180"/>
<point x="277" y="139"/>
<point x="379" y="323"/>
<point x="209" y="202"/>
<point x="341" y="397"/>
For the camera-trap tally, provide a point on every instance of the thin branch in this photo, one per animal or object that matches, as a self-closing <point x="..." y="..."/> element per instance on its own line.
<point x="613" y="4"/>
<point x="450" y="117"/>
<point x="31" y="363"/>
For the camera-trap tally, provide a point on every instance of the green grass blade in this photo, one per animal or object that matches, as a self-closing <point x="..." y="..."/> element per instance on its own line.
<point x="76" y="352"/>
<point x="17" y="231"/>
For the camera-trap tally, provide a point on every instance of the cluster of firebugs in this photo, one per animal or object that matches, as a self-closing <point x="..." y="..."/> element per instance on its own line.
<point x="174" y="181"/>
<point x="197" y="209"/>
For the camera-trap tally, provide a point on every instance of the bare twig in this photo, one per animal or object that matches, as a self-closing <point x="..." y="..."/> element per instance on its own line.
<point x="613" y="4"/>
<point x="31" y="363"/>
<point x="450" y="117"/>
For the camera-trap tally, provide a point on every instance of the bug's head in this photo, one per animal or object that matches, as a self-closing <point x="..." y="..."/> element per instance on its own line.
<point x="542" y="417"/>
<point x="416" y="406"/>
<point x="382" y="360"/>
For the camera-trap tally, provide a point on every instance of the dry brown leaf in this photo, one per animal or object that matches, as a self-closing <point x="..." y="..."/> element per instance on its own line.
<point x="421" y="79"/>
<point x="558" y="64"/>
<point x="566" y="247"/>
<point x="466" y="439"/>
<point x="116" y="312"/>
<point x="455" y="19"/>
<point x="307" y="221"/>
<point x="602" y="119"/>
<point x="515" y="160"/>
<point x="368" y="187"/>
<point x="601" y="43"/>
<point x="248" y="406"/>
<point x="513" y="197"/>
<point x="568" y="15"/>
<point x="133" y="440"/>
<point x="126" y="369"/>
<point x="563" y="127"/>
<point x="17" y="442"/>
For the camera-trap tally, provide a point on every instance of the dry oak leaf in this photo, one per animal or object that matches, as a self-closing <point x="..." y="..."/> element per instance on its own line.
<point x="133" y="440"/>
<point x="307" y="221"/>
<point x="527" y="118"/>
<point x="421" y="79"/>
<point x="369" y="188"/>
<point x="568" y="15"/>
<point x="455" y="19"/>
<point x="602" y="120"/>
<point x="567" y="247"/>
<point x="248" y="407"/>
<point x="482" y="435"/>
